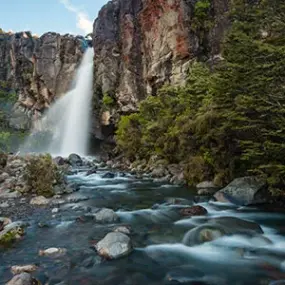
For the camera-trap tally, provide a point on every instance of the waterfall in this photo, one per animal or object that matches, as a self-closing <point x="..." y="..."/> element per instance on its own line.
<point x="65" y="126"/>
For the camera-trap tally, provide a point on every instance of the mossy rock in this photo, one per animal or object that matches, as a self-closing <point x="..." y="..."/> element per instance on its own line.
<point x="11" y="233"/>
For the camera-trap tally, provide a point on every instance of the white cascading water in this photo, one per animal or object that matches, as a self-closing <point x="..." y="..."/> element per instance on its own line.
<point x="64" y="128"/>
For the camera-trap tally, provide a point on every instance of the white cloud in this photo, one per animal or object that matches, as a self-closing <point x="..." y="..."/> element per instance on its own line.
<point x="83" y="21"/>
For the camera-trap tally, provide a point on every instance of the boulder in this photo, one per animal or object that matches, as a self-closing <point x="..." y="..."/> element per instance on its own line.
<point x="7" y="194"/>
<point x="183" y="274"/>
<point x="101" y="164"/>
<point x="108" y="175"/>
<point x="114" y="245"/>
<point x="243" y="191"/>
<point x="53" y="252"/>
<point x="196" y="210"/>
<point x="21" y="279"/>
<point x="165" y="179"/>
<point x="23" y="268"/>
<point x="123" y="229"/>
<point x="74" y="187"/>
<point x="39" y="201"/>
<point x="62" y="189"/>
<point x="4" y="222"/>
<point x="11" y="232"/>
<point x="76" y="197"/>
<point x="4" y="176"/>
<point x="236" y="225"/>
<point x="106" y="215"/>
<point x="91" y="171"/>
<point x="59" y="160"/>
<point x="206" y="188"/>
<point x="218" y="227"/>
<point x="159" y="172"/>
<point x="75" y="160"/>
<point x="177" y="201"/>
<point x="109" y="163"/>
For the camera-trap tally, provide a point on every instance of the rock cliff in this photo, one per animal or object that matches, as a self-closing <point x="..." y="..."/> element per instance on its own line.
<point x="38" y="69"/>
<point x="142" y="44"/>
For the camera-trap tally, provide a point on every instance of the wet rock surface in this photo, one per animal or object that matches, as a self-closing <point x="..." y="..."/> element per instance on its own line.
<point x="21" y="279"/>
<point x="244" y="191"/>
<point x="114" y="245"/>
<point x="129" y="230"/>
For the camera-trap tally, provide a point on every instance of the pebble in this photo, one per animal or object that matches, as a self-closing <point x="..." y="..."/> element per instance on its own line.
<point x="4" y="205"/>
<point x="52" y="252"/>
<point x="39" y="201"/>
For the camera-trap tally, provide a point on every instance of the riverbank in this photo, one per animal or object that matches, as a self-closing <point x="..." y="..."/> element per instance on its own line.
<point x="120" y="228"/>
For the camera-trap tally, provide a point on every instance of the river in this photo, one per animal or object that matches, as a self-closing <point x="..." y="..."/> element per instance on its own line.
<point x="159" y="257"/>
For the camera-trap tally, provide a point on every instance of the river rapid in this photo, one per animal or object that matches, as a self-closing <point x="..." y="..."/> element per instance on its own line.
<point x="149" y="209"/>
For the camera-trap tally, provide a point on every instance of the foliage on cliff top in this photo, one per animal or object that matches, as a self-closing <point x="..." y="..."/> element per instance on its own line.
<point x="225" y="123"/>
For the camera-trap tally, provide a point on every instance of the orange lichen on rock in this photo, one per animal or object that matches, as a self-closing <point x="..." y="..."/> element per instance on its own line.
<point x="182" y="46"/>
<point x="128" y="34"/>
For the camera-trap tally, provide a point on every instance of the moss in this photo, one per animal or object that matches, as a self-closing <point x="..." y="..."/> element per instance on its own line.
<point x="8" y="238"/>
<point x="11" y="236"/>
<point x="41" y="175"/>
<point x="108" y="100"/>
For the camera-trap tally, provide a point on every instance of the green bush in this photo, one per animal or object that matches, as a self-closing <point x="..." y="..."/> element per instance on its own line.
<point x="41" y="175"/>
<point x="108" y="100"/>
<point x="4" y="141"/>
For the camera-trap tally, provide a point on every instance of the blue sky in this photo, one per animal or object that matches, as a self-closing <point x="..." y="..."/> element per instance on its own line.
<point x="40" y="16"/>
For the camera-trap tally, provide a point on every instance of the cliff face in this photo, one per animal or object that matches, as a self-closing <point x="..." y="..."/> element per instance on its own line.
<point x="38" y="69"/>
<point x="142" y="44"/>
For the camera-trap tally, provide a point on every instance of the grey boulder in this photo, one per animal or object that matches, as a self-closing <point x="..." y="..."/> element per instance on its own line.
<point x="206" y="188"/>
<point x="105" y="215"/>
<point x="243" y="191"/>
<point x="75" y="160"/>
<point x="114" y="245"/>
<point x="21" y="279"/>
<point x="218" y="227"/>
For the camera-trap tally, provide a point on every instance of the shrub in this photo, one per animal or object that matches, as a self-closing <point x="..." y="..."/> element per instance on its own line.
<point x="41" y="175"/>
<point x="108" y="100"/>
<point x="4" y="141"/>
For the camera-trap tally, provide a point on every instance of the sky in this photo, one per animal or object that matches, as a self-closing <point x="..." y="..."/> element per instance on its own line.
<point x="40" y="16"/>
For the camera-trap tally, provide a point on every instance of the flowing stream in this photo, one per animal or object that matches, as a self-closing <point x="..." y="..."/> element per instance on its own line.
<point x="64" y="129"/>
<point x="159" y="257"/>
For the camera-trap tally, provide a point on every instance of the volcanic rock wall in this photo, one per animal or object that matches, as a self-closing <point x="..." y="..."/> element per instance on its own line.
<point x="140" y="45"/>
<point x="38" y="69"/>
